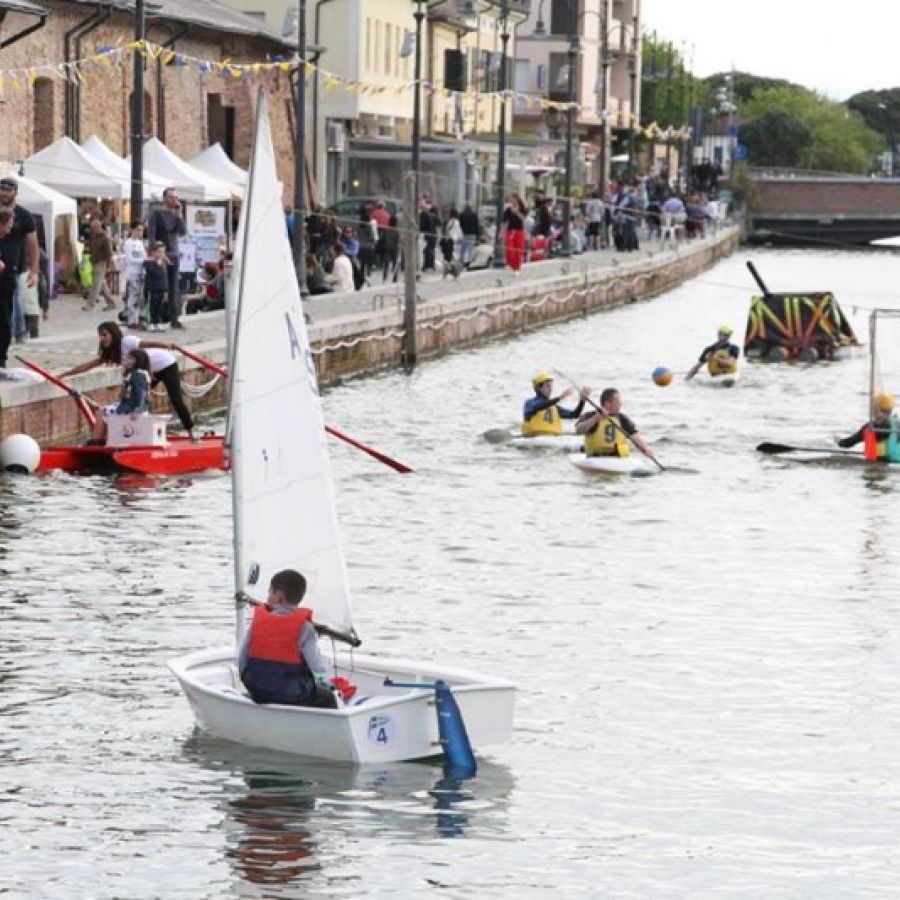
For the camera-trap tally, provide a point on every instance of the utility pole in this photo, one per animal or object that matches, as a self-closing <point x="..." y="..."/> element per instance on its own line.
<point x="299" y="243"/>
<point x="137" y="118"/>
<point x="605" y="62"/>
<point x="409" y="249"/>
<point x="499" y="248"/>
<point x="632" y="74"/>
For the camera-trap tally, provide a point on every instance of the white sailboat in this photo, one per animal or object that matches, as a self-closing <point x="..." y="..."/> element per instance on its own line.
<point x="284" y="517"/>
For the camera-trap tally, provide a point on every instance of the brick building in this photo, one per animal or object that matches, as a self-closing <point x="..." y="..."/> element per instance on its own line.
<point x="185" y="107"/>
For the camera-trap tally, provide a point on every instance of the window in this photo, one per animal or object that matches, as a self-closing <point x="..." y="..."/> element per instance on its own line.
<point x="42" y="114"/>
<point x="388" y="47"/>
<point x="563" y="17"/>
<point x="454" y="70"/>
<point x="558" y="84"/>
<point x="368" y="44"/>
<point x="148" y="112"/>
<point x="220" y="123"/>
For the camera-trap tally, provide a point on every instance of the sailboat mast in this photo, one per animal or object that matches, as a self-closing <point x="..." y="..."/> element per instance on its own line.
<point x="873" y="325"/>
<point x="233" y="442"/>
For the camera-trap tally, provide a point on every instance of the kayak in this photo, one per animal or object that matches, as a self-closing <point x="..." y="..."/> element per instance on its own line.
<point x="178" y="456"/>
<point x="613" y="465"/>
<point x="823" y="455"/>
<point x="567" y="442"/>
<point x="728" y="380"/>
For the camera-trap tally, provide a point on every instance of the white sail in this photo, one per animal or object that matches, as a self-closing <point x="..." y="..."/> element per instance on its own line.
<point x="284" y="512"/>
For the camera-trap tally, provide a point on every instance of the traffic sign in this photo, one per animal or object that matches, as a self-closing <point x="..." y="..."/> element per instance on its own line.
<point x="740" y="151"/>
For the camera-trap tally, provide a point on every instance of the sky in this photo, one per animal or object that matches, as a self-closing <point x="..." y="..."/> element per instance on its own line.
<point x="837" y="49"/>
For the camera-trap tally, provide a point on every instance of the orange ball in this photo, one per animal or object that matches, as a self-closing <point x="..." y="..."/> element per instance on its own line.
<point x="662" y="376"/>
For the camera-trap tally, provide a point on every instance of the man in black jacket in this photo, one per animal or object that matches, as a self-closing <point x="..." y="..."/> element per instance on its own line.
<point x="167" y="225"/>
<point x="19" y="251"/>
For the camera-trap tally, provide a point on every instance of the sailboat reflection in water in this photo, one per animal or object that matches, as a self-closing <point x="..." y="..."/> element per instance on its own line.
<point x="285" y="818"/>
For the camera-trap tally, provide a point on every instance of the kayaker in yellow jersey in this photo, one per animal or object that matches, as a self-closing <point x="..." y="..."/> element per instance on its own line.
<point x="542" y="413"/>
<point x="881" y="434"/>
<point x="607" y="431"/>
<point x="721" y="358"/>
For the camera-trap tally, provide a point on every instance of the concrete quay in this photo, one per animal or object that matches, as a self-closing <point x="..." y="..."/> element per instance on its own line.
<point x="356" y="334"/>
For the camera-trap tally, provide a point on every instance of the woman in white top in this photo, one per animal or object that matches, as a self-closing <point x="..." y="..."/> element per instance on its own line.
<point x="112" y="350"/>
<point x="342" y="271"/>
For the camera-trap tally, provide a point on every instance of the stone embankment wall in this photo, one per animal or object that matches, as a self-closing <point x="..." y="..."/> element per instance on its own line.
<point x="366" y="342"/>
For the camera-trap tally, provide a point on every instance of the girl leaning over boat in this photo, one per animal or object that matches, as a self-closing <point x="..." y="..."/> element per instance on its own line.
<point x="112" y="350"/>
<point x="135" y="400"/>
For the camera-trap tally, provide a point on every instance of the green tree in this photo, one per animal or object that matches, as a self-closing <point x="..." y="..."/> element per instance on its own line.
<point x="776" y="138"/>
<point x="839" y="140"/>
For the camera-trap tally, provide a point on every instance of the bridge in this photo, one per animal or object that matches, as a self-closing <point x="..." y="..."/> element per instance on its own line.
<point x="799" y="207"/>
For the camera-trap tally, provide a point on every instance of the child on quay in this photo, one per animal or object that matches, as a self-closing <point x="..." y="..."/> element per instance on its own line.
<point x="156" y="282"/>
<point x="135" y="256"/>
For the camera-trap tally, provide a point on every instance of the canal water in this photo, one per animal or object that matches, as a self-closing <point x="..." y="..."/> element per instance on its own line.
<point x="707" y="661"/>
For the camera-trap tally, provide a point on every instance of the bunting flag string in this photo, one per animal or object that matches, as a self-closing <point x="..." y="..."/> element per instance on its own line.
<point x="109" y="57"/>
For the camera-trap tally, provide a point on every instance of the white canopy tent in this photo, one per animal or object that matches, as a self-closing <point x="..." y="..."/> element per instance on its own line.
<point x="68" y="168"/>
<point x="49" y="205"/>
<point x="193" y="184"/>
<point x="154" y="184"/>
<point x="215" y="161"/>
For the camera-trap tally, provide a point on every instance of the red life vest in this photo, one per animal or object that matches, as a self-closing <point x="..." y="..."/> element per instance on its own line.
<point x="276" y="637"/>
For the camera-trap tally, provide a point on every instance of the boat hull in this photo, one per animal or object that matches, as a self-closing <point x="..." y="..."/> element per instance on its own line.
<point x="379" y="725"/>
<point x="613" y="465"/>
<point x="179" y="456"/>
<point x="567" y="442"/>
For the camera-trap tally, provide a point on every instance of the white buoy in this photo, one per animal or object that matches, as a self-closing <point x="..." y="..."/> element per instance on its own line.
<point x="20" y="453"/>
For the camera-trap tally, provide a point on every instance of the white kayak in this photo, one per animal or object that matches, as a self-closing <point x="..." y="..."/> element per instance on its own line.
<point x="614" y="465"/>
<point x="567" y="442"/>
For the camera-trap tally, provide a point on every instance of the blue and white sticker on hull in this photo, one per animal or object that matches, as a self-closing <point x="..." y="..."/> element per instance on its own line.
<point x="380" y="731"/>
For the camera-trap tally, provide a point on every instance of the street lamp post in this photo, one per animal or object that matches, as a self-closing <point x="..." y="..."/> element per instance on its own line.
<point x="299" y="246"/>
<point x="605" y="63"/>
<point x="632" y="74"/>
<point x="419" y="16"/>
<point x="499" y="249"/>
<point x="572" y="55"/>
<point x="137" y="118"/>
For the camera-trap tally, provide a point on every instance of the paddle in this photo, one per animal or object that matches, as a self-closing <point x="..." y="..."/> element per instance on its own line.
<point x="80" y="400"/>
<point x="772" y="449"/>
<point x="615" y="424"/>
<point x="497" y="435"/>
<point x="396" y="465"/>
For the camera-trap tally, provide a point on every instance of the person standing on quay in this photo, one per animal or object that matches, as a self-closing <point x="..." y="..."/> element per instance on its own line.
<point x="18" y="246"/>
<point x="514" y="221"/>
<point x="167" y="225"/>
<point x="100" y="249"/>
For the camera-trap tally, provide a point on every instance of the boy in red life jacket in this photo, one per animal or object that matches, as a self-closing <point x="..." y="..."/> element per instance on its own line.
<point x="279" y="655"/>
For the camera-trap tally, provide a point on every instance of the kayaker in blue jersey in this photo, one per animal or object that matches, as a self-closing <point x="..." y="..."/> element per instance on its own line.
<point x="719" y="358"/>
<point x="607" y="431"/>
<point x="279" y="656"/>
<point x="542" y="413"/>
<point x="876" y="435"/>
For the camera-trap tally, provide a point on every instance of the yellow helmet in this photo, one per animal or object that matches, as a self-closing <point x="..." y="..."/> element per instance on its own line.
<point x="540" y="378"/>
<point x="884" y="403"/>
<point x="726" y="329"/>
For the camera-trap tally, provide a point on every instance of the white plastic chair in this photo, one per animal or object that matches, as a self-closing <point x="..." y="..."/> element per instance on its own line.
<point x="669" y="229"/>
